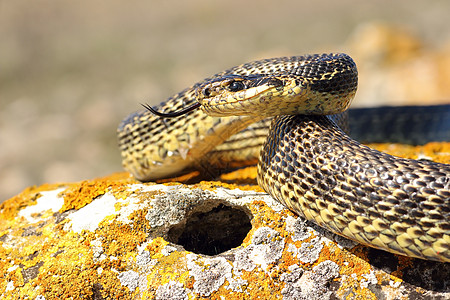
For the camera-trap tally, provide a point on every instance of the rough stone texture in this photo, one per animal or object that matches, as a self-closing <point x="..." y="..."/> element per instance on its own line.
<point x="112" y="240"/>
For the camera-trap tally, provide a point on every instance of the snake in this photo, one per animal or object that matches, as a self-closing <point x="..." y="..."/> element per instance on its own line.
<point x="306" y="162"/>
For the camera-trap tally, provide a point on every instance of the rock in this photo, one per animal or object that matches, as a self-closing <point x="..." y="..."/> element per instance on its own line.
<point x="114" y="237"/>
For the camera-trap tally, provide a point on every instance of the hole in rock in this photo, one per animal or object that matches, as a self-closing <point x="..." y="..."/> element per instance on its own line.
<point x="212" y="232"/>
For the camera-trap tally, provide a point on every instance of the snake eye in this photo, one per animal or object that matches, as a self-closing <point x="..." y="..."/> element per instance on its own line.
<point x="275" y="82"/>
<point x="206" y="92"/>
<point x="236" y="86"/>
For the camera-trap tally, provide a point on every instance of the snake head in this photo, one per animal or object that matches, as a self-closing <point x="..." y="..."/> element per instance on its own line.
<point x="231" y="94"/>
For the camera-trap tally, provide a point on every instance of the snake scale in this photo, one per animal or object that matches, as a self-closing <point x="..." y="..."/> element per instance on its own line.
<point x="307" y="162"/>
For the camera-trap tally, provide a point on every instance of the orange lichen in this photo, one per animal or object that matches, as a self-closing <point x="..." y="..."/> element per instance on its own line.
<point x="435" y="151"/>
<point x="245" y="175"/>
<point x="168" y="268"/>
<point x="156" y="246"/>
<point x="122" y="239"/>
<point x="212" y="185"/>
<point x="258" y="285"/>
<point x="78" y="195"/>
<point x="10" y="208"/>
<point x="47" y="260"/>
<point x="63" y="261"/>
<point x="181" y="178"/>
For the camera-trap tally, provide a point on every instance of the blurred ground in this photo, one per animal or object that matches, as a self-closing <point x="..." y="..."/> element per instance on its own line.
<point x="71" y="71"/>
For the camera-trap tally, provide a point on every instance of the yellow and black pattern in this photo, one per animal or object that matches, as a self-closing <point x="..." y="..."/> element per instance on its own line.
<point x="307" y="162"/>
<point x="382" y="201"/>
<point x="154" y="147"/>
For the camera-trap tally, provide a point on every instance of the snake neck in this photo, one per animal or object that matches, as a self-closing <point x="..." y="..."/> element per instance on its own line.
<point x="148" y="155"/>
<point x="312" y="167"/>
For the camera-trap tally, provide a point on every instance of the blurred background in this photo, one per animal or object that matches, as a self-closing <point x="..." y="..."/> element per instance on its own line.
<point x="70" y="71"/>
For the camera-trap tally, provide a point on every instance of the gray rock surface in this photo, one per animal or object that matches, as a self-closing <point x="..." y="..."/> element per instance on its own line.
<point x="129" y="248"/>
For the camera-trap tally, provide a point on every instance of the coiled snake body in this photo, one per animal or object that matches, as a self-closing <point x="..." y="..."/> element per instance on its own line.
<point x="307" y="162"/>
